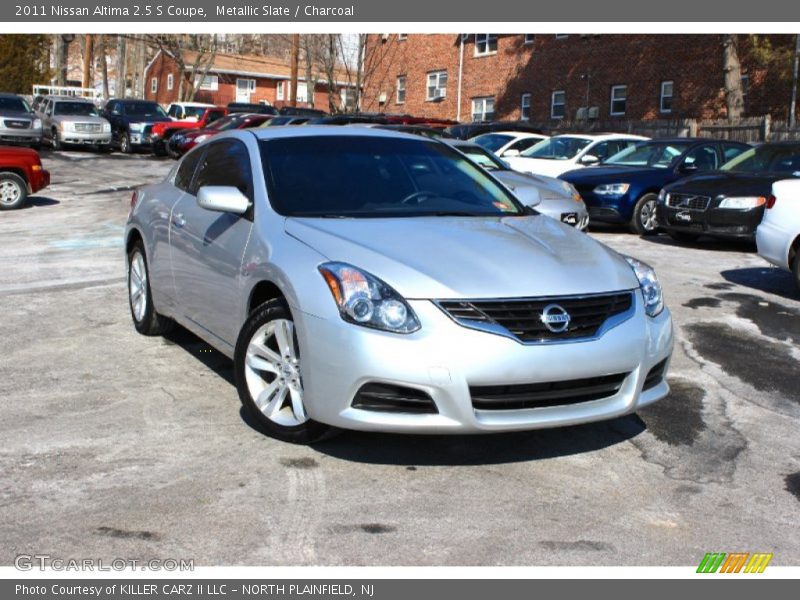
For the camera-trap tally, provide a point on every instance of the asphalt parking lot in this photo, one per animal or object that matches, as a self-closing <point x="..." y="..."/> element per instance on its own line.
<point x="117" y="445"/>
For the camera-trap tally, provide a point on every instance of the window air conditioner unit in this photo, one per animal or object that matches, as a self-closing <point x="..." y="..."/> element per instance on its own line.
<point x="382" y="98"/>
<point x="384" y="37"/>
<point x="594" y="112"/>
<point x="581" y="114"/>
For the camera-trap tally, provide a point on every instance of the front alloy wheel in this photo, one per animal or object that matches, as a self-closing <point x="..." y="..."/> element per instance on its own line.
<point x="125" y="144"/>
<point x="268" y="375"/>
<point x="644" y="220"/>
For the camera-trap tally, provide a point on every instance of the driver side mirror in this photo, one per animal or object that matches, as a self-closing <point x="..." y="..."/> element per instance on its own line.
<point x="223" y="198"/>
<point x="688" y="168"/>
<point x="511" y="152"/>
<point x="589" y="159"/>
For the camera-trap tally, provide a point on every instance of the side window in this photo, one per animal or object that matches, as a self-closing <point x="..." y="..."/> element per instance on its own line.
<point x="703" y="158"/>
<point x="524" y="144"/>
<point x="600" y="150"/>
<point x="119" y="109"/>
<point x="730" y="151"/>
<point x="183" y="178"/>
<point x="227" y="163"/>
<point x="173" y="111"/>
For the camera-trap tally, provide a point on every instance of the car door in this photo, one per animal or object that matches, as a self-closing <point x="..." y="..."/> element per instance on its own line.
<point x="47" y="119"/>
<point x="113" y="114"/>
<point x="207" y="246"/>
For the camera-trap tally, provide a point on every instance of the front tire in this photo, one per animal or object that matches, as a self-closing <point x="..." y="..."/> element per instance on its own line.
<point x="796" y="271"/>
<point x="13" y="191"/>
<point x="145" y="317"/>
<point x="55" y="141"/>
<point x="268" y="376"/>
<point x="125" y="143"/>
<point x="644" y="220"/>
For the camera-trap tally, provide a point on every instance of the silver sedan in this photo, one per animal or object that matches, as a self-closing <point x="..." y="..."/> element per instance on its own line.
<point x="372" y="280"/>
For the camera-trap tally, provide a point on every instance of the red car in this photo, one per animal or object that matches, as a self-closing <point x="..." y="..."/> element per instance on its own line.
<point x="162" y="132"/>
<point x="181" y="143"/>
<point x="21" y="173"/>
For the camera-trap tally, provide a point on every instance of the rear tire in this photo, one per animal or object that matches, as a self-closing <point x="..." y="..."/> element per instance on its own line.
<point x="140" y="299"/>
<point x="269" y="379"/>
<point x="796" y="271"/>
<point x="125" y="143"/>
<point x="13" y="191"/>
<point x="644" y="220"/>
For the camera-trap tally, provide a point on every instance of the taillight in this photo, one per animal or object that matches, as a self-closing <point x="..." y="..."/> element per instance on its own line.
<point x="771" y="200"/>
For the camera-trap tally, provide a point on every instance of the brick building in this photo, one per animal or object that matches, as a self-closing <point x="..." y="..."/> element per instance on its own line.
<point x="545" y="77"/>
<point x="242" y="78"/>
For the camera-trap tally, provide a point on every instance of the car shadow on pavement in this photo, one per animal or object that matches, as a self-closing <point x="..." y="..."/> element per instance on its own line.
<point x="704" y="243"/>
<point x="482" y="449"/>
<point x="208" y="356"/>
<point x="764" y="279"/>
<point x="38" y="201"/>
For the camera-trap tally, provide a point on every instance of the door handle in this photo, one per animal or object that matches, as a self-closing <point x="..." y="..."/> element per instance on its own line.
<point x="178" y="220"/>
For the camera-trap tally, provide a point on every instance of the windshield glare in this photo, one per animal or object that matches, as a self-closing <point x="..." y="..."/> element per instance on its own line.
<point x="775" y="159"/>
<point x="483" y="158"/>
<point x="492" y="141"/>
<point x="658" y="156"/>
<point x="82" y="109"/>
<point x="144" y="109"/>
<point x="355" y="176"/>
<point x="557" y="148"/>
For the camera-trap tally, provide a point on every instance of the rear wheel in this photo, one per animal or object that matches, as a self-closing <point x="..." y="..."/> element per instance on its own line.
<point x="145" y="317"/>
<point x="13" y="191"/>
<point x="268" y="375"/>
<point x="125" y="143"/>
<point x="644" y="215"/>
<point x="796" y="271"/>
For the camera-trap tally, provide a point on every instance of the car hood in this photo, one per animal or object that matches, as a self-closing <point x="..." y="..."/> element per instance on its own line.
<point x="78" y="119"/>
<point x="722" y="183"/>
<point x="469" y="257"/>
<point x="530" y="188"/>
<point x="14" y="114"/>
<point x="613" y="174"/>
<point x="540" y="166"/>
<point x="134" y="119"/>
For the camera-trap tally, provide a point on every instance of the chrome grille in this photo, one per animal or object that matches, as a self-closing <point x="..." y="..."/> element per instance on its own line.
<point x="523" y="320"/>
<point x="88" y="128"/>
<point x="688" y="201"/>
<point x="17" y="123"/>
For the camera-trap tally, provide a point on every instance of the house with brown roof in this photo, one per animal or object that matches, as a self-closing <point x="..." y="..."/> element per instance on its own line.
<point x="245" y="78"/>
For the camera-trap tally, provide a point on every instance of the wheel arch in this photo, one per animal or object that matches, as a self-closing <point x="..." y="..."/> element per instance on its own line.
<point x="794" y="250"/>
<point x="263" y="291"/>
<point x="133" y="236"/>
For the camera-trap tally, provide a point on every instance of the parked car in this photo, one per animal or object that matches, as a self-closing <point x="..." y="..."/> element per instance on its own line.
<point x="348" y="119"/>
<point x="778" y="234"/>
<point x="431" y="132"/>
<point x="187" y="111"/>
<point x="285" y="120"/>
<point x="21" y="173"/>
<point x="162" y="132"/>
<point x="728" y="203"/>
<point x="366" y="279"/>
<point x="299" y="111"/>
<point x="432" y="123"/>
<point x="551" y="196"/>
<point x="506" y="144"/>
<point x="18" y="123"/>
<point x="132" y="122"/>
<point x="67" y="120"/>
<point x="465" y="131"/>
<point x="625" y="187"/>
<point x="562" y="153"/>
<point x="251" y="108"/>
<point x="180" y="143"/>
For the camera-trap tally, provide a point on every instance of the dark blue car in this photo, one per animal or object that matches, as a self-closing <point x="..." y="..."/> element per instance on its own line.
<point x="624" y="188"/>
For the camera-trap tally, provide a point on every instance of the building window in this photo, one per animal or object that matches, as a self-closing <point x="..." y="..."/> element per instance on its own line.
<point x="666" y="96"/>
<point x="745" y="85"/>
<point x="154" y="85"/>
<point x="558" y="103"/>
<point x="209" y="83"/>
<point x="485" y="43"/>
<point x="562" y="36"/>
<point x="348" y="95"/>
<point x="170" y="81"/>
<point x="530" y="38"/>
<point x="402" y="37"/>
<point x="437" y="85"/>
<point x="302" y="92"/>
<point x="525" y="107"/>
<point x="619" y="96"/>
<point x="280" y="90"/>
<point x="401" y="89"/>
<point x="483" y="109"/>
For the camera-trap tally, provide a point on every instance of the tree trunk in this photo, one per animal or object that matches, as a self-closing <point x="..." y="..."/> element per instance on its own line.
<point x="88" y="54"/>
<point x="104" y="64"/>
<point x="295" y="59"/>
<point x="732" y="70"/>
<point x="120" y="88"/>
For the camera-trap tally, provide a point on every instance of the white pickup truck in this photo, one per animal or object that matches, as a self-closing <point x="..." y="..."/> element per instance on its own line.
<point x="778" y="235"/>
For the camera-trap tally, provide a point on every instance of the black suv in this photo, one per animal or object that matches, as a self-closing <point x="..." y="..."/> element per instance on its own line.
<point x="132" y="122"/>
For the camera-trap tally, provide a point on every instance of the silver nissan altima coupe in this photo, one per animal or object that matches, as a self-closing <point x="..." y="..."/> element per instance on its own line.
<point x="374" y="280"/>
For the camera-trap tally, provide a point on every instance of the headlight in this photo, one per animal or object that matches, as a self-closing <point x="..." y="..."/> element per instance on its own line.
<point x="662" y="196"/>
<point x="67" y="126"/>
<point x="106" y="127"/>
<point x="365" y="300"/>
<point x="743" y="202"/>
<point x="200" y="138"/>
<point x="37" y="124"/>
<point x="137" y="126"/>
<point x="612" y="189"/>
<point x="651" y="288"/>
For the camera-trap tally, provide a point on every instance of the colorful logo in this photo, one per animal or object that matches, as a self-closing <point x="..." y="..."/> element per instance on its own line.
<point x="736" y="562"/>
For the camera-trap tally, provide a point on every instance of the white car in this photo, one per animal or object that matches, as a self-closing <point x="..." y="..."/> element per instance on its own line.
<point x="778" y="235"/>
<point x="562" y="153"/>
<point x="187" y="111"/>
<point x="508" y="143"/>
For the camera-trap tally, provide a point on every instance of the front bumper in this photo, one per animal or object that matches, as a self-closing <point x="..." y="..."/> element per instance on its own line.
<point x="141" y="139"/>
<point x="444" y="359"/>
<point x="773" y="242"/>
<point x="605" y="209"/>
<point x="715" y="222"/>
<point x="87" y="139"/>
<point x="20" y="136"/>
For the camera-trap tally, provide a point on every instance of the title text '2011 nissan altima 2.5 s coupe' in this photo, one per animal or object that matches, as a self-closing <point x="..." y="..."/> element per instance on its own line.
<point x="373" y="280"/>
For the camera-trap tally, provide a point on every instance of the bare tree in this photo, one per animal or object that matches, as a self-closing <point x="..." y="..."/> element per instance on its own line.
<point x="732" y="70"/>
<point x="122" y="64"/>
<point x="192" y="74"/>
<point x="103" y="58"/>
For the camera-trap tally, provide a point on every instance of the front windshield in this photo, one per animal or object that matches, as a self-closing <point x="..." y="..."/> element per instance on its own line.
<point x="365" y="176"/>
<point x="771" y="159"/>
<point x="557" y="148"/>
<point x="655" y="155"/>
<point x="226" y="123"/>
<point x="484" y="158"/>
<point x="144" y="109"/>
<point x="492" y="141"/>
<point x="193" y="112"/>
<point x="14" y="105"/>
<point x="80" y="109"/>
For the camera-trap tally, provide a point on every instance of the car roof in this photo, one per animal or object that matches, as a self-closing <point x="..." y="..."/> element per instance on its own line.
<point x="199" y="104"/>
<point x="69" y="99"/>
<point x="329" y="131"/>
<point x="601" y="136"/>
<point x="516" y="134"/>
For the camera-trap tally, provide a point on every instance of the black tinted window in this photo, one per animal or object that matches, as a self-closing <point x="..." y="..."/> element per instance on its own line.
<point x="227" y="163"/>
<point x="183" y="178"/>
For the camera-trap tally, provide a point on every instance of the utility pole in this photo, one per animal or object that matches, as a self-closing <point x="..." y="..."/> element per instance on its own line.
<point x="88" y="53"/>
<point x="295" y="65"/>
<point x="793" y="105"/>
